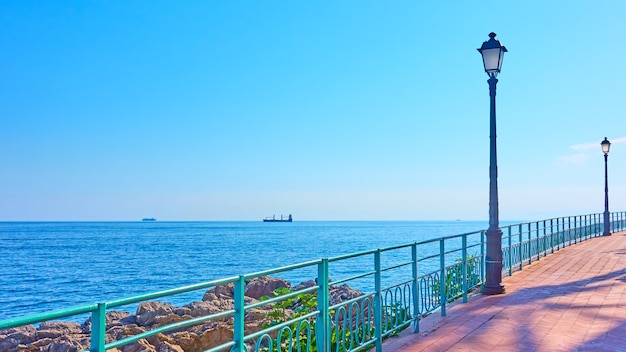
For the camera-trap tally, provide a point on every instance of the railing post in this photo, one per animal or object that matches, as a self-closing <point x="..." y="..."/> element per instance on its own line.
<point x="551" y="236"/>
<point x="98" y="328"/>
<point x="322" y="331"/>
<point x="521" y="247"/>
<point x="579" y="226"/>
<point x="510" y="254"/>
<point x="545" y="239"/>
<point x="239" y="316"/>
<point x="569" y="230"/>
<point x="442" y="280"/>
<point x="482" y="256"/>
<point x="538" y="247"/>
<point x="378" y="303"/>
<point x="464" y="266"/>
<point x="558" y="235"/>
<point x="611" y="222"/>
<point x="530" y="245"/>
<point x="599" y="225"/>
<point x="416" y="308"/>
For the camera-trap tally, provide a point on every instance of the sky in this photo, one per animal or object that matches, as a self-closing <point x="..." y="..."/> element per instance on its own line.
<point x="328" y="110"/>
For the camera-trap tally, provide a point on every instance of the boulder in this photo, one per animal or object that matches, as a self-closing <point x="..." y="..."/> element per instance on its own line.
<point x="200" y="309"/>
<point x="11" y="338"/>
<point x="163" y="343"/>
<point x="150" y="313"/>
<point x="168" y="347"/>
<point x="52" y="329"/>
<point x="216" y="335"/>
<point x="304" y="284"/>
<point x="113" y="318"/>
<point x="65" y="345"/>
<point x="220" y="292"/>
<point x="264" y="286"/>
<point x="140" y="346"/>
<point x="342" y="293"/>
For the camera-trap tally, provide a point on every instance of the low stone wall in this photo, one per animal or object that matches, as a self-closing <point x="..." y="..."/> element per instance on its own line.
<point x="71" y="337"/>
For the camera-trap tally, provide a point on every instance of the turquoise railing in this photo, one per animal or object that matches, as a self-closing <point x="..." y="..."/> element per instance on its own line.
<point x="399" y="285"/>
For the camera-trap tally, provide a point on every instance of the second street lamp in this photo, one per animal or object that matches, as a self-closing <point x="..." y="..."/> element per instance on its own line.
<point x="606" y="145"/>
<point x="493" y="52"/>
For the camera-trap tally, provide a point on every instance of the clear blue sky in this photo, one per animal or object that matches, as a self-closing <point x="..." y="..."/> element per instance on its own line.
<point x="355" y="110"/>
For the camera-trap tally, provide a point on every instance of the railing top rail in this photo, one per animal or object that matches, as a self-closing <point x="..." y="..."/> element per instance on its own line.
<point x="170" y="292"/>
<point x="555" y="218"/>
<point x="45" y="316"/>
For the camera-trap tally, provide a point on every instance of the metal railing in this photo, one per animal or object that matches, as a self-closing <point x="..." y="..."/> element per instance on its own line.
<point x="399" y="285"/>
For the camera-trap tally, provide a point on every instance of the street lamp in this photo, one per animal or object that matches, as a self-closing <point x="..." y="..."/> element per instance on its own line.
<point x="606" y="145"/>
<point x="493" y="52"/>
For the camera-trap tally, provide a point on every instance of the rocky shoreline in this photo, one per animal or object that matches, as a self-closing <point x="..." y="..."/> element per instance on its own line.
<point x="73" y="337"/>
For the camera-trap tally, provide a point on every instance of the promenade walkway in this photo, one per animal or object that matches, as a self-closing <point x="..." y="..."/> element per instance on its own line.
<point x="572" y="300"/>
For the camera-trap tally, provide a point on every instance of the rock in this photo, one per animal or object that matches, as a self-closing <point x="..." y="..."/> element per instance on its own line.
<point x="16" y="336"/>
<point x="209" y="296"/>
<point x="304" y="284"/>
<point x="257" y="314"/>
<point x="220" y="292"/>
<point x="53" y="329"/>
<point x="132" y="330"/>
<point x="42" y="342"/>
<point x="264" y="286"/>
<point x="24" y="330"/>
<point x="112" y="318"/>
<point x="219" y="333"/>
<point x="65" y="345"/>
<point x="168" y="347"/>
<point x="140" y="346"/>
<point x="342" y="293"/>
<point x="199" y="309"/>
<point x="150" y="313"/>
<point x="182" y="311"/>
<point x="184" y="339"/>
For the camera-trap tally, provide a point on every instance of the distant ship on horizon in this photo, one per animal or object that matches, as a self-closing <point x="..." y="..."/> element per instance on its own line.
<point x="273" y="219"/>
<point x="148" y="219"/>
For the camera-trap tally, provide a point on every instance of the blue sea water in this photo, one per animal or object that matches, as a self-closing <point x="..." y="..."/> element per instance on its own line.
<point x="52" y="265"/>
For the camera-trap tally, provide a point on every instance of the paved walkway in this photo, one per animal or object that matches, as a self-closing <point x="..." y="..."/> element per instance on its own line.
<point x="573" y="300"/>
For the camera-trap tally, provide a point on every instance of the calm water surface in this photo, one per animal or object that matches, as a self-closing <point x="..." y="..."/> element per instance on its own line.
<point x="51" y="265"/>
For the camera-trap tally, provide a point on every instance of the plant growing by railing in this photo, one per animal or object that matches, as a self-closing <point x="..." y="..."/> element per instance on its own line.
<point x="346" y="331"/>
<point x="290" y="309"/>
<point x="453" y="279"/>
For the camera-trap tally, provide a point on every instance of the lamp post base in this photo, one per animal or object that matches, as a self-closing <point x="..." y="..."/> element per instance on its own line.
<point x="607" y="223"/>
<point x="493" y="262"/>
<point x="495" y="290"/>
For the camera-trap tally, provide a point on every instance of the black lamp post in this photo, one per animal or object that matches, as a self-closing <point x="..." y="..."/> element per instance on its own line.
<point x="606" y="145"/>
<point x="493" y="52"/>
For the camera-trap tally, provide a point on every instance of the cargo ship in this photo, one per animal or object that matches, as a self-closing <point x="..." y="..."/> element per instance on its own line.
<point x="282" y="219"/>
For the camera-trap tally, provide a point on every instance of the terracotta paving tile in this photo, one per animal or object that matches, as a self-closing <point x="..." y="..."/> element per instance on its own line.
<point x="573" y="300"/>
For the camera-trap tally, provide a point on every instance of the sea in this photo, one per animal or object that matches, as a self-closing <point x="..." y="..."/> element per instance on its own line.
<point x="51" y="265"/>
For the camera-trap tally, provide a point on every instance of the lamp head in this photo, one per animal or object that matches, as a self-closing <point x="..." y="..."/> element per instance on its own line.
<point x="492" y="52"/>
<point x="606" y="145"/>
